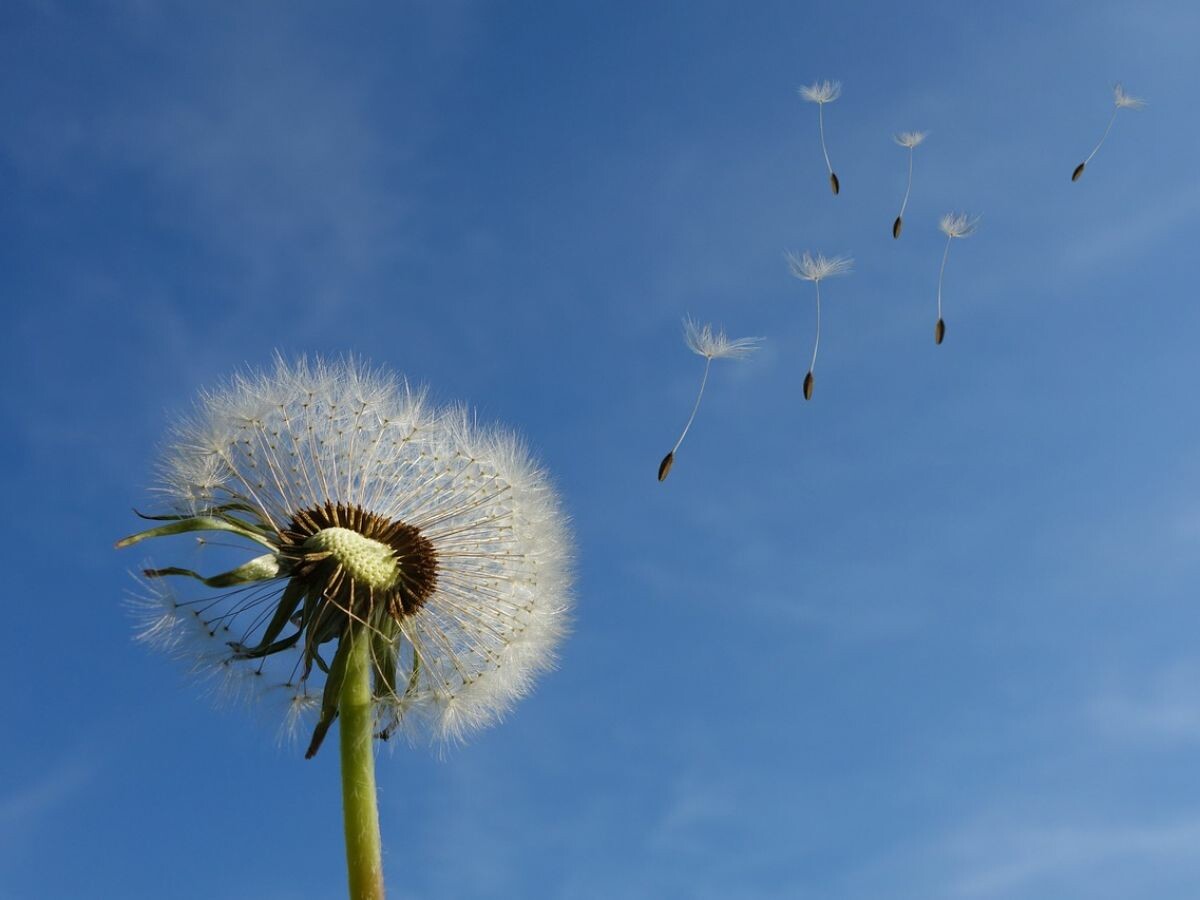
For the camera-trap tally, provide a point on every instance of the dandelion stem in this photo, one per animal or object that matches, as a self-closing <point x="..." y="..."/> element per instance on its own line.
<point x="1111" y="119"/>
<point x="696" y="406"/>
<point x="364" y="856"/>
<point x="817" y="342"/>
<point x="907" y="190"/>
<point x="942" y="274"/>
<point x="821" y="124"/>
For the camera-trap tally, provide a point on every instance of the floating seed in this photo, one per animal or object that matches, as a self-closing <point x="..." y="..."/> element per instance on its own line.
<point x="664" y="467"/>
<point x="897" y="225"/>
<point x="808" y="386"/>
<point x="1078" y="171"/>
<point x="833" y="182"/>
<point x="939" y="331"/>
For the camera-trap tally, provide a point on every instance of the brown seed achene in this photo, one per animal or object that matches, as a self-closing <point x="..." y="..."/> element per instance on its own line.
<point x="414" y="553"/>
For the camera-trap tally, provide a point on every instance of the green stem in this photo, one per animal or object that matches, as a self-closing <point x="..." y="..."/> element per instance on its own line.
<point x="364" y="859"/>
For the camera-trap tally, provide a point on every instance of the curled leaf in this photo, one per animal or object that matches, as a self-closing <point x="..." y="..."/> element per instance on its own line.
<point x="199" y="523"/>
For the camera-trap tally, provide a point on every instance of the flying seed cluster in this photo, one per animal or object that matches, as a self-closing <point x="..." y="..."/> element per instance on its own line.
<point x="817" y="267"/>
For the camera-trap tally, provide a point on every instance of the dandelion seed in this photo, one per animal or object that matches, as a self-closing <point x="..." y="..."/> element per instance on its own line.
<point x="820" y="93"/>
<point x="953" y="225"/>
<point x="1121" y="100"/>
<point x="408" y="568"/>
<point x="703" y="341"/>
<point x="909" y="139"/>
<point x="816" y="269"/>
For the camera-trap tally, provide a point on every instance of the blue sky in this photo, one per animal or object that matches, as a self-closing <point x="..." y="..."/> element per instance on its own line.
<point x="929" y="635"/>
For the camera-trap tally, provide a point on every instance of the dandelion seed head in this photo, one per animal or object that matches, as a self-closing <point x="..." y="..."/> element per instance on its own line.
<point x="441" y="539"/>
<point x="910" y="139"/>
<point x="703" y="341"/>
<point x="1123" y="100"/>
<point x="816" y="268"/>
<point x="821" y="91"/>
<point x="958" y="225"/>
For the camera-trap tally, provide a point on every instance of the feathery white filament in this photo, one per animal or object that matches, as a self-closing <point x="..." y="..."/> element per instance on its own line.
<point x="958" y="225"/>
<point x="816" y="268"/>
<point x="820" y="93"/>
<point x="909" y="139"/>
<point x="703" y="341"/>
<point x="953" y="225"/>
<point x="1121" y="100"/>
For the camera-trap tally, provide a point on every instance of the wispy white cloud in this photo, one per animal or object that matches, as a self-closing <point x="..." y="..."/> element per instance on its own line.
<point x="1161" y="708"/>
<point x="1112" y="244"/>
<point x="22" y="809"/>
<point x="1035" y="860"/>
<point x="1010" y="854"/>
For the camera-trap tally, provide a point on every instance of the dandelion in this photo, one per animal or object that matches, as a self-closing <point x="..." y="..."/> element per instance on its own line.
<point x="815" y="269"/>
<point x="909" y="139"/>
<point x="1121" y="100"/>
<point x="953" y="225"/>
<point x="820" y="93"/>
<point x="703" y="341"/>
<point x="414" y="574"/>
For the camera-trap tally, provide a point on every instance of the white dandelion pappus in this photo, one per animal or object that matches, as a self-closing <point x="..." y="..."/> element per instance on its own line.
<point x="383" y="518"/>
<point x="815" y="269"/>
<point x="909" y="139"/>
<point x="703" y="341"/>
<point x="953" y="225"/>
<point x="820" y="93"/>
<point x="958" y="225"/>
<point x="1121" y="100"/>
